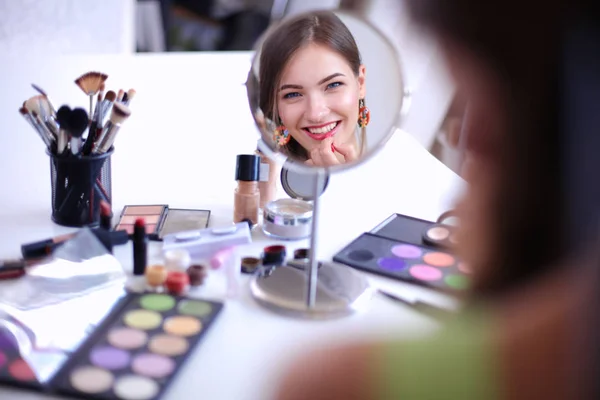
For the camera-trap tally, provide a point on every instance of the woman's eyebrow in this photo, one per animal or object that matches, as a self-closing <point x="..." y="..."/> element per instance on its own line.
<point x="322" y="81"/>
<point x="330" y="77"/>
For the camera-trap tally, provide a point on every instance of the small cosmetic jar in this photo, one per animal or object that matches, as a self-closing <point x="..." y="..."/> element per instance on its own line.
<point x="287" y="219"/>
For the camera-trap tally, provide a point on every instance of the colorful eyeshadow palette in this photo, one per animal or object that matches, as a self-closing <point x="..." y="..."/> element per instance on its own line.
<point x="161" y="220"/>
<point x="132" y="355"/>
<point x="14" y="370"/>
<point x="423" y="265"/>
<point x="138" y="349"/>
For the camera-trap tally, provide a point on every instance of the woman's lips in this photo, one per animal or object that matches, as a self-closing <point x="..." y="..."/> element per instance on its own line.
<point x="323" y="136"/>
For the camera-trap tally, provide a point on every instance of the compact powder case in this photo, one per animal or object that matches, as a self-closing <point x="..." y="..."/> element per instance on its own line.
<point x="291" y="219"/>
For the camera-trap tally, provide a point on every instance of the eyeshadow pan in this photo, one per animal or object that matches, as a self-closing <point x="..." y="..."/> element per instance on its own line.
<point x="157" y="302"/>
<point x="389" y="263"/>
<point x="132" y="387"/>
<point x="20" y="370"/>
<point x="407" y="251"/>
<point x="462" y="267"/>
<point x="142" y="319"/>
<point x="195" y="308"/>
<point x="425" y="273"/>
<point x="439" y="259"/>
<point x="168" y="345"/>
<point x="109" y="358"/>
<point x="91" y="380"/>
<point x="438" y="233"/>
<point x="182" y="326"/>
<point x="361" y="255"/>
<point x="143" y="210"/>
<point x="127" y="338"/>
<point x="457" y="281"/>
<point x="152" y="365"/>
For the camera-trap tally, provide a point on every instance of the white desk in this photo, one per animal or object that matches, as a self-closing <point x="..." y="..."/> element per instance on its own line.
<point x="190" y="119"/>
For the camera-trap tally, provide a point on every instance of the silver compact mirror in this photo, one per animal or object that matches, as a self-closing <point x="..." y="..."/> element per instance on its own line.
<point x="326" y="92"/>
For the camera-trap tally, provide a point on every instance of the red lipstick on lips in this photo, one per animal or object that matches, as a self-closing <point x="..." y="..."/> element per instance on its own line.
<point x="322" y="136"/>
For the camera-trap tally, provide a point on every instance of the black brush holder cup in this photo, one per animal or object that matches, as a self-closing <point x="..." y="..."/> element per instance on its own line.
<point x="79" y="184"/>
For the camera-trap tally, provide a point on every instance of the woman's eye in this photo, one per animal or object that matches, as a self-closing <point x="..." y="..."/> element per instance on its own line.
<point x="291" y="95"/>
<point x="333" y="85"/>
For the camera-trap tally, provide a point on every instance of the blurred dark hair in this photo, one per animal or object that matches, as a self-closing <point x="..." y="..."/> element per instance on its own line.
<point x="319" y="27"/>
<point x="519" y="43"/>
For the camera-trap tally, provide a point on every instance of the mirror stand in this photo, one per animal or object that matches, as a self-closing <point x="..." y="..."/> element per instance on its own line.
<point x="312" y="289"/>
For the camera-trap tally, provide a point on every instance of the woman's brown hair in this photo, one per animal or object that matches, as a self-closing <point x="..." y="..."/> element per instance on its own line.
<point x="520" y="49"/>
<point x="318" y="27"/>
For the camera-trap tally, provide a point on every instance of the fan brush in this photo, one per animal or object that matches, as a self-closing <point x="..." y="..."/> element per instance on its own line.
<point x="91" y="83"/>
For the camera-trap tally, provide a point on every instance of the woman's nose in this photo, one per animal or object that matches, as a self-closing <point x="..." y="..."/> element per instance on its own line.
<point x="317" y="109"/>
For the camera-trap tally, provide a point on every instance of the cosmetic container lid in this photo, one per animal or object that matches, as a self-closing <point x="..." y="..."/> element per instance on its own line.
<point x="288" y="212"/>
<point x="300" y="185"/>
<point x="247" y="167"/>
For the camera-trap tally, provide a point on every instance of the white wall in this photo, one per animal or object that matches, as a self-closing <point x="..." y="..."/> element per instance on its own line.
<point x="39" y="27"/>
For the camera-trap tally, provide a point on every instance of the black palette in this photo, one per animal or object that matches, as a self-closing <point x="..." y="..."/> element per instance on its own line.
<point x="405" y="261"/>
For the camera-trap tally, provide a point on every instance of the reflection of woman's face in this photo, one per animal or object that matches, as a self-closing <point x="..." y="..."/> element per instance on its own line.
<point x="318" y="97"/>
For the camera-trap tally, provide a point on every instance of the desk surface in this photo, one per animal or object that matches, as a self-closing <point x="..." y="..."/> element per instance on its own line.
<point x="189" y="120"/>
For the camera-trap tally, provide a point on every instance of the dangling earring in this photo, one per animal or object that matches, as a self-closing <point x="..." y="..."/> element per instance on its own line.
<point x="364" y="114"/>
<point x="281" y="136"/>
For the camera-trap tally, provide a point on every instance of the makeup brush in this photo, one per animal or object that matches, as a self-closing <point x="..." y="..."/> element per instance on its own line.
<point x="425" y="308"/>
<point x="38" y="107"/>
<point x="91" y="83"/>
<point x="130" y="95"/>
<point x="63" y="115"/>
<point x="97" y="119"/>
<point x="78" y="123"/>
<point x="29" y="118"/>
<point x="43" y="93"/>
<point x="118" y="116"/>
<point x="120" y="95"/>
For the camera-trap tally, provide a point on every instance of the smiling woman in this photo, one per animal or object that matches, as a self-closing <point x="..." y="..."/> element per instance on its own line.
<point x="313" y="87"/>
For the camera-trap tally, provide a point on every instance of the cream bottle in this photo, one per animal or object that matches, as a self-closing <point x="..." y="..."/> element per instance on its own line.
<point x="246" y="201"/>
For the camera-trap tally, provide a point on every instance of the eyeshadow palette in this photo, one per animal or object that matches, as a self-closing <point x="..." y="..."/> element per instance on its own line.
<point x="161" y="220"/>
<point x="132" y="355"/>
<point x="14" y="370"/>
<point x="138" y="349"/>
<point x="417" y="231"/>
<point x="423" y="265"/>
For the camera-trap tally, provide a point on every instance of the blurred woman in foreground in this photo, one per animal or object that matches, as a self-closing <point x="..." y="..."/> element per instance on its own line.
<point x="519" y="336"/>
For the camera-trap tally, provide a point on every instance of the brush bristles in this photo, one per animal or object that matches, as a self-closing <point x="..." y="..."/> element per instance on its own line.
<point x="36" y="103"/>
<point x="91" y="82"/>
<point x="120" y="112"/>
<point x="111" y="96"/>
<point x="131" y="94"/>
<point x="23" y="111"/>
<point x="120" y="95"/>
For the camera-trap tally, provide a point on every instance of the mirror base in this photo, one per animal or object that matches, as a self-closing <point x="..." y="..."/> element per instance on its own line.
<point x="341" y="291"/>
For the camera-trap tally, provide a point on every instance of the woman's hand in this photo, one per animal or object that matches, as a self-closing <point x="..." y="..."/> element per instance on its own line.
<point x="324" y="155"/>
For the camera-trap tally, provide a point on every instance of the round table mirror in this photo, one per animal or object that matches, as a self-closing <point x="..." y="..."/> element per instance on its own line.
<point x="326" y="92"/>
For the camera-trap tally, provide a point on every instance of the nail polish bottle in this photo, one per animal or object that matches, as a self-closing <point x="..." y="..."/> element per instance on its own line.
<point x="267" y="185"/>
<point x="247" y="195"/>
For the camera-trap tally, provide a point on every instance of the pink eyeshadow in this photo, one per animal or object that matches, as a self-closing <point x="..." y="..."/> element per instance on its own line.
<point x="425" y="273"/>
<point x="129" y="228"/>
<point x="130" y="219"/>
<point x="143" y="210"/>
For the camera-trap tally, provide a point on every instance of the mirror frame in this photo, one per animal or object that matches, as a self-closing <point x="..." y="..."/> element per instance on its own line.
<point x="296" y="165"/>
